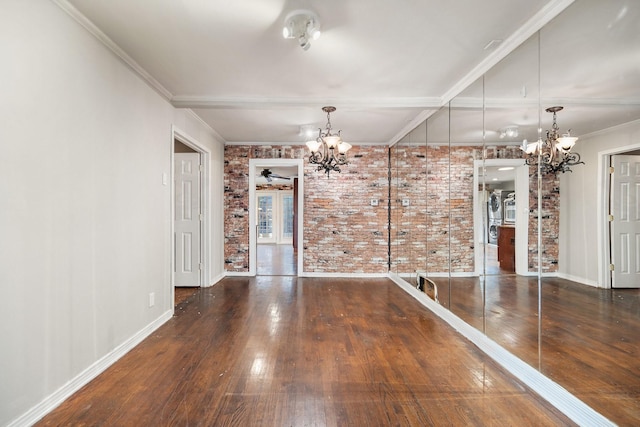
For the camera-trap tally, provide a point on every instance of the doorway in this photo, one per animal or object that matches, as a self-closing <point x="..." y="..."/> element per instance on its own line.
<point x="624" y="222"/>
<point x="275" y="214"/>
<point x="189" y="208"/>
<point x="275" y="209"/>
<point x="506" y="181"/>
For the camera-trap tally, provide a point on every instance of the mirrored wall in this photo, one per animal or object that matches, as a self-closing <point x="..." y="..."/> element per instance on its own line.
<point x="508" y="247"/>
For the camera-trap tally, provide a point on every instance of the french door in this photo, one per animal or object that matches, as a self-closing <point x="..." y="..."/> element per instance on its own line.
<point x="275" y="216"/>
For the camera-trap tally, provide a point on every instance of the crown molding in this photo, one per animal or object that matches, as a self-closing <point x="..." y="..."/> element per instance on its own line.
<point x="111" y="45"/>
<point x="296" y="143"/>
<point x="421" y="117"/>
<point x="187" y="101"/>
<point x="539" y="20"/>
<point x="207" y="126"/>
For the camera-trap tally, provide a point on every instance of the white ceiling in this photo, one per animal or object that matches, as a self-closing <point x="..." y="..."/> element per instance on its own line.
<point x="385" y="65"/>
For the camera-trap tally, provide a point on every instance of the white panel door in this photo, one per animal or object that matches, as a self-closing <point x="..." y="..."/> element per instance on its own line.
<point x="625" y="226"/>
<point x="187" y="219"/>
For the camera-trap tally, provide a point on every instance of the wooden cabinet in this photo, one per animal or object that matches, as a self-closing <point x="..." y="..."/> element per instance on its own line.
<point x="507" y="247"/>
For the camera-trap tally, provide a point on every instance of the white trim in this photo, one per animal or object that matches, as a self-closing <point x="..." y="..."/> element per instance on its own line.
<point x="215" y="134"/>
<point x="52" y="401"/>
<point x="111" y="45"/>
<point x="549" y="390"/>
<point x="417" y="120"/>
<point x="188" y="101"/>
<point x="522" y="213"/>
<point x="294" y="143"/>
<point x="215" y="280"/>
<point x="256" y="163"/>
<point x="238" y="274"/>
<point x="344" y="275"/>
<point x="603" y="180"/>
<point x="539" y="20"/>
<point x="205" y="206"/>
<point x="577" y="279"/>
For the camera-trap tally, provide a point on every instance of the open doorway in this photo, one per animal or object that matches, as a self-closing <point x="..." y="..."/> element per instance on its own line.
<point x="190" y="225"/>
<point x="275" y="208"/>
<point x="501" y="203"/>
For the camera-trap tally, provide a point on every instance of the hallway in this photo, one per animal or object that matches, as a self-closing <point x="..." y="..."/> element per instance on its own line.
<point x="287" y="351"/>
<point x="276" y="260"/>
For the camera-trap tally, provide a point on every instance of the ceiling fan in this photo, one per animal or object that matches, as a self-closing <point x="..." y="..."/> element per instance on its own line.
<point x="270" y="175"/>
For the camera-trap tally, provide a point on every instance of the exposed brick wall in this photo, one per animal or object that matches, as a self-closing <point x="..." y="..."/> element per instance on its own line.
<point x="445" y="176"/>
<point x="343" y="233"/>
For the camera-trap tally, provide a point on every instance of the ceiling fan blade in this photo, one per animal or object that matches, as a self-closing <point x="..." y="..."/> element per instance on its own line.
<point x="273" y="175"/>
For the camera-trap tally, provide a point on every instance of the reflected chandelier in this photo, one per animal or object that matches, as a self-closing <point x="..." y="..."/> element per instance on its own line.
<point x="328" y="151"/>
<point x="554" y="153"/>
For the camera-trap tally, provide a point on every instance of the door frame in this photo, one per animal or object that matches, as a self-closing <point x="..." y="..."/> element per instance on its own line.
<point x="604" y="232"/>
<point x="253" y="238"/>
<point x="205" y="207"/>
<point x="522" y="214"/>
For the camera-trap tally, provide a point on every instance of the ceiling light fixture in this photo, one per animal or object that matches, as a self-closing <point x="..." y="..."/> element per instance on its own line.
<point x="302" y="25"/>
<point x="323" y="149"/>
<point x="508" y="132"/>
<point x="554" y="153"/>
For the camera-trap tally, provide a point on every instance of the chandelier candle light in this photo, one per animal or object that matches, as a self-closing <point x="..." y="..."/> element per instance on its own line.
<point x="328" y="151"/>
<point x="554" y="153"/>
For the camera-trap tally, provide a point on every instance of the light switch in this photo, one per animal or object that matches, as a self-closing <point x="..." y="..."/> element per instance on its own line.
<point x="374" y="202"/>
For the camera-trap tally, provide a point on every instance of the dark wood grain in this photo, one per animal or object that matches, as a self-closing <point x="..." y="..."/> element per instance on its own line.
<point x="587" y="340"/>
<point x="287" y="351"/>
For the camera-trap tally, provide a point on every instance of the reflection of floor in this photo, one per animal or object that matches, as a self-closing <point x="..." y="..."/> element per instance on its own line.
<point x="288" y="351"/>
<point x="589" y="341"/>
<point x="492" y="265"/>
<point x="276" y="260"/>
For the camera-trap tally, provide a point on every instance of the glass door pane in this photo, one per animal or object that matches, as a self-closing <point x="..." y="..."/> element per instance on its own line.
<point x="286" y="218"/>
<point x="265" y="218"/>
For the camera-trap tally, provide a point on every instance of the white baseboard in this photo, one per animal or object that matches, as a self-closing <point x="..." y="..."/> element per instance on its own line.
<point x="344" y="275"/>
<point x="238" y="274"/>
<point x="215" y="280"/>
<point x="56" y="398"/>
<point x="577" y="279"/>
<point x="549" y="390"/>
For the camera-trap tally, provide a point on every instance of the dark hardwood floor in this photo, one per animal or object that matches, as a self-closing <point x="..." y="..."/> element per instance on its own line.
<point x="276" y="260"/>
<point x="587" y="339"/>
<point x="287" y="351"/>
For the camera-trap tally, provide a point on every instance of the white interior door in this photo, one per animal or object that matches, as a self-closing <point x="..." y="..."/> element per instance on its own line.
<point x="187" y="219"/>
<point x="625" y="226"/>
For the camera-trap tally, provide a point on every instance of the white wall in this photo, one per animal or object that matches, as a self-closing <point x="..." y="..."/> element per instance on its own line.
<point x="579" y="195"/>
<point x="84" y="215"/>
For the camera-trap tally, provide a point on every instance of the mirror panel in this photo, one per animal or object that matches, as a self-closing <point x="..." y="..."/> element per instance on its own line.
<point x="395" y="245"/>
<point x="590" y="67"/>
<point x="438" y="243"/>
<point x="409" y="203"/>
<point x="467" y="205"/>
<point x="510" y="276"/>
<point x="584" y="60"/>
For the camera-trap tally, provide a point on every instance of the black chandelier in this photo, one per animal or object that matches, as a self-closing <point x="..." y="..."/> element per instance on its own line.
<point x="554" y="153"/>
<point x="328" y="150"/>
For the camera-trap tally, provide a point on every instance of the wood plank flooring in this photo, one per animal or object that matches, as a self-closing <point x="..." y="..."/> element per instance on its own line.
<point x="276" y="260"/>
<point x="587" y="340"/>
<point x="287" y="351"/>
